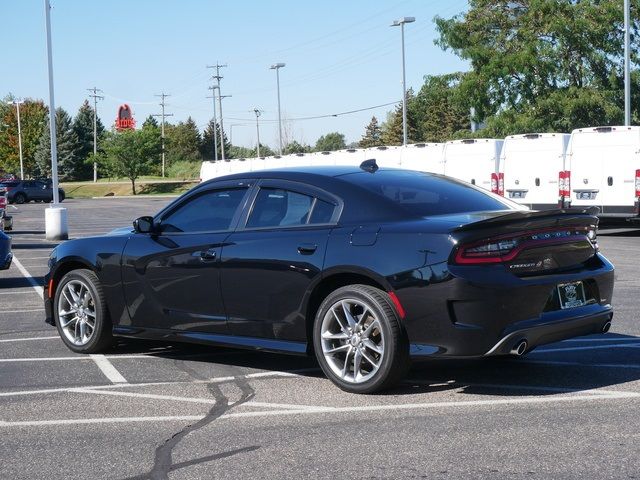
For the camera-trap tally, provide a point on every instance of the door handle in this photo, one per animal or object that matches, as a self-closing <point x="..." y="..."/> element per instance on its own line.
<point x="307" y="248"/>
<point x="208" y="254"/>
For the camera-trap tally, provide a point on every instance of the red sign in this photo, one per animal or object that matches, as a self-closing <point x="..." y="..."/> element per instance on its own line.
<point x="125" y="120"/>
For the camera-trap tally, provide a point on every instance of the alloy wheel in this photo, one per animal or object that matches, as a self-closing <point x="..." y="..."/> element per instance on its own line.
<point x="352" y="340"/>
<point x="77" y="312"/>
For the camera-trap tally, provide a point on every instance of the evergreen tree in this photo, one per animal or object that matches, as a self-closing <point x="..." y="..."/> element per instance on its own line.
<point x="182" y="142"/>
<point x="208" y="143"/>
<point x="295" y="147"/>
<point x="392" y="132"/>
<point x="67" y="147"/>
<point x="372" y="135"/>
<point x="151" y="121"/>
<point x="83" y="128"/>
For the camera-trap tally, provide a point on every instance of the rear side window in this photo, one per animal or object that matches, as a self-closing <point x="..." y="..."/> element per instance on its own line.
<point x="209" y="211"/>
<point x="425" y="194"/>
<point x="276" y="207"/>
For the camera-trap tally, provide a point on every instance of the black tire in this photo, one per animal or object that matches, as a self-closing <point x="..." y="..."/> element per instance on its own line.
<point x="394" y="359"/>
<point x="60" y="197"/>
<point x="19" y="198"/>
<point x="101" y="337"/>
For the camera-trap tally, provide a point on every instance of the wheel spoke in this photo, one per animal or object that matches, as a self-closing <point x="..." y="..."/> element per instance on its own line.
<point x="66" y="297"/>
<point x="357" y="360"/>
<point x="372" y="346"/>
<point x="76" y="333"/>
<point x="363" y="317"/>
<point x="90" y="313"/>
<point x="337" y="317"/>
<point x="68" y="322"/>
<point x="83" y="331"/>
<point x="370" y="360"/>
<point x="331" y="336"/>
<point x="347" y="314"/>
<point x="64" y="313"/>
<point x="339" y="349"/>
<point x="345" y="368"/>
<point x="73" y="293"/>
<point x="370" y="328"/>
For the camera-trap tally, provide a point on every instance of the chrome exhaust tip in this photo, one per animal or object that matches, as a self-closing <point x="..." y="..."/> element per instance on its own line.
<point x="519" y="348"/>
<point x="606" y="327"/>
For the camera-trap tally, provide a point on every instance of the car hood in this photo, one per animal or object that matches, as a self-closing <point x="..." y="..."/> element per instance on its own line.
<point x="121" y="231"/>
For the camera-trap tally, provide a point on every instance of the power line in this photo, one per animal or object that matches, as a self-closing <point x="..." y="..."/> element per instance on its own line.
<point x="95" y="97"/>
<point x="163" y="115"/>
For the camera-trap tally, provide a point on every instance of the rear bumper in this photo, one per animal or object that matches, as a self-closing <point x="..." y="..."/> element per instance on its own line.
<point x="476" y="312"/>
<point x="592" y="319"/>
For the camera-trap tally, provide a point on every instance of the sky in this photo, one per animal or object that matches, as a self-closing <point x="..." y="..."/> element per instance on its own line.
<point x="340" y="56"/>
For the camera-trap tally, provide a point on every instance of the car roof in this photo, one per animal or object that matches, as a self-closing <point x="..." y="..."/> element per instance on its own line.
<point x="318" y="170"/>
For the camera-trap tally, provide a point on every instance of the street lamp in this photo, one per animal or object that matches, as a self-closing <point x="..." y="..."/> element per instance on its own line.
<point x="17" y="104"/>
<point x="55" y="216"/>
<point x="277" y="67"/>
<point x="257" y="112"/>
<point x="400" y="22"/>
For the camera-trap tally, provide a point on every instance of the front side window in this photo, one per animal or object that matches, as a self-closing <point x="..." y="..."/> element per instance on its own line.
<point x="210" y="211"/>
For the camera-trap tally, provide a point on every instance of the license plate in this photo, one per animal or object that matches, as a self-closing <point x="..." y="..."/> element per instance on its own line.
<point x="517" y="194"/>
<point x="571" y="295"/>
<point x="586" y="195"/>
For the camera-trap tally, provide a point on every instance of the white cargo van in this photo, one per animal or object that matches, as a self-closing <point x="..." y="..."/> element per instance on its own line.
<point x="602" y="169"/>
<point x="387" y="157"/>
<point x="473" y="160"/>
<point x="423" y="157"/>
<point x="529" y="166"/>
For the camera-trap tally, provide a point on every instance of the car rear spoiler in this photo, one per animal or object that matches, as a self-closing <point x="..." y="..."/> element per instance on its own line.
<point x="528" y="218"/>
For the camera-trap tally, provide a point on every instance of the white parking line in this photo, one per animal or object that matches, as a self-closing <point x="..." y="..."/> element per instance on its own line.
<point x="36" y="286"/>
<point x="108" y="369"/>
<point x="332" y="410"/>
<point x="9" y="340"/>
<point x="22" y="310"/>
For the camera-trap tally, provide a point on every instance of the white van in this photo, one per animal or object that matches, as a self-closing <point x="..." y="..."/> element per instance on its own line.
<point x="603" y="170"/>
<point x="473" y="160"/>
<point x="529" y="167"/>
<point x="423" y="157"/>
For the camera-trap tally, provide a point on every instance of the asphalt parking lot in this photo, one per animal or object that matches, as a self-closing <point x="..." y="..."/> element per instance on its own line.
<point x="149" y="410"/>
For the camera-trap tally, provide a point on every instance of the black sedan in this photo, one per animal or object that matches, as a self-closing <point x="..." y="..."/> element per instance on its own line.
<point x="365" y="267"/>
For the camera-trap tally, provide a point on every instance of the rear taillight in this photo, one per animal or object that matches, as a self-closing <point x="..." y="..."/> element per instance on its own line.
<point x="564" y="183"/>
<point x="497" y="183"/>
<point x="507" y="247"/>
<point x="638" y="183"/>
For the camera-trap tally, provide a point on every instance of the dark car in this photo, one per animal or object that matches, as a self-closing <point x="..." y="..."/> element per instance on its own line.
<point x="22" y="191"/>
<point x="366" y="267"/>
<point x="5" y="251"/>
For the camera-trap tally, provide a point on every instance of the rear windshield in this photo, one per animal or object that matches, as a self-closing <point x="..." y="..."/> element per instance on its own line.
<point x="425" y="194"/>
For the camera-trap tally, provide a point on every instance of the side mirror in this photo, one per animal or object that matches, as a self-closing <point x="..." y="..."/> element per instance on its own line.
<point x="143" y="225"/>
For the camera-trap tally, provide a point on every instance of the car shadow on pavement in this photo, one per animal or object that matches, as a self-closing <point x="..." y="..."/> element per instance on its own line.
<point x="574" y="367"/>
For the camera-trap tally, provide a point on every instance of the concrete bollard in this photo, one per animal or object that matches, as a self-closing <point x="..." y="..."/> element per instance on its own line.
<point x="55" y="219"/>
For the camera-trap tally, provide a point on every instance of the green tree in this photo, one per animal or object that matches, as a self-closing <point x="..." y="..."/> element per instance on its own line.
<point x="183" y="142"/>
<point x="525" y="54"/>
<point x="131" y="153"/>
<point x="439" y="109"/>
<point x="330" y="141"/>
<point x="67" y="147"/>
<point x="392" y="133"/>
<point x="33" y="121"/>
<point x="83" y="128"/>
<point x="150" y="121"/>
<point x="372" y="134"/>
<point x="208" y="143"/>
<point x="295" y="147"/>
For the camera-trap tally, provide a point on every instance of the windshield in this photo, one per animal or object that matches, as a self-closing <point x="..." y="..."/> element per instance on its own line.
<point x="426" y="194"/>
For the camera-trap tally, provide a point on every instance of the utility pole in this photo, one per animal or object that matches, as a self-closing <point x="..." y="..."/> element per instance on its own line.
<point x="257" y="112"/>
<point x="17" y="104"/>
<point x="95" y="97"/>
<point x="163" y="114"/>
<point x="627" y="65"/>
<point x="277" y="67"/>
<point x="217" y="77"/>
<point x="401" y="22"/>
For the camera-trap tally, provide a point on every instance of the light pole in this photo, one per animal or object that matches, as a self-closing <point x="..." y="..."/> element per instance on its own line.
<point x="257" y="112"/>
<point x="17" y="104"/>
<point x="627" y="66"/>
<point x="55" y="216"/>
<point x="277" y="67"/>
<point x="400" y="22"/>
